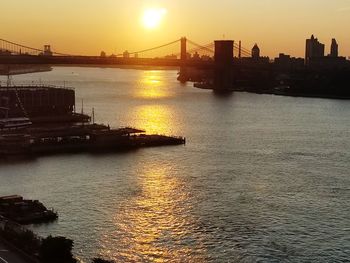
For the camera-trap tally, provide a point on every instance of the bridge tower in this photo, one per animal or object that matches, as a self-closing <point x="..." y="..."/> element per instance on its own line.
<point x="183" y="57"/>
<point x="183" y="48"/>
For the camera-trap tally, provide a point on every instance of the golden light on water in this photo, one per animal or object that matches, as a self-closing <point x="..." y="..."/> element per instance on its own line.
<point x="155" y="116"/>
<point x="153" y="17"/>
<point x="155" y="119"/>
<point x="152" y="85"/>
<point x="151" y="225"/>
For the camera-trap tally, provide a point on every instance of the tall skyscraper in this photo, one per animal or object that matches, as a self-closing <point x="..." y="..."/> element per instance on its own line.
<point x="334" y="48"/>
<point x="314" y="49"/>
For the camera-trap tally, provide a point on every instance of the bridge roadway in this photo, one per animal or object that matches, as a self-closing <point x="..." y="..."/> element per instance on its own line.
<point x="95" y="60"/>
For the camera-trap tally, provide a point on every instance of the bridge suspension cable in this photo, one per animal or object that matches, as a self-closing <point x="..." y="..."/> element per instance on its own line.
<point x="153" y="48"/>
<point x="13" y="47"/>
<point x="201" y="47"/>
<point x="243" y="50"/>
<point x="5" y="45"/>
<point x="209" y="47"/>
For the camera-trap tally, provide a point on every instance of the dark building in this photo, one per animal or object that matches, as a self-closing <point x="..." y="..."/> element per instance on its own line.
<point x="317" y="61"/>
<point x="5" y="52"/>
<point x="255" y="52"/>
<point x="334" y="48"/>
<point x="126" y="54"/>
<point x="329" y="63"/>
<point x="47" y="50"/>
<point x="223" y="57"/>
<point x="103" y="54"/>
<point x="256" y="59"/>
<point x="223" y="52"/>
<point x="36" y="101"/>
<point x="286" y="62"/>
<point x="196" y="56"/>
<point x="314" y="49"/>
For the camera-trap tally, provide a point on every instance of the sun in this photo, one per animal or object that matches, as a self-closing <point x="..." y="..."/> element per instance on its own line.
<point x="153" y="17"/>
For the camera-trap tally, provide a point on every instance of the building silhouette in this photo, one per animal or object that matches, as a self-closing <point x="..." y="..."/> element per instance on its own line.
<point x="334" y="48"/>
<point x="103" y="54"/>
<point x="256" y="52"/>
<point x="126" y="54"/>
<point x="286" y="62"/>
<point x="316" y="60"/>
<point x="314" y="49"/>
<point x="47" y="51"/>
<point x="223" y="52"/>
<point x="223" y="59"/>
<point x="255" y="59"/>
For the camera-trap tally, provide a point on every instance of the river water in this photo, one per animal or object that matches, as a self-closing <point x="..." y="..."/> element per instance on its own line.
<point x="262" y="178"/>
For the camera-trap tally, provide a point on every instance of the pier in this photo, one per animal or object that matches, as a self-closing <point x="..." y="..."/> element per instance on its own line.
<point x="23" y="211"/>
<point x="80" y="138"/>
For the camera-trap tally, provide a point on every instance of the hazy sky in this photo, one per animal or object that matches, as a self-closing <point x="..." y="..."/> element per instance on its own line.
<point x="89" y="26"/>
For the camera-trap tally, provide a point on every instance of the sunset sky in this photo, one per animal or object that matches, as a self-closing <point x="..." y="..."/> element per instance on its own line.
<point x="89" y="26"/>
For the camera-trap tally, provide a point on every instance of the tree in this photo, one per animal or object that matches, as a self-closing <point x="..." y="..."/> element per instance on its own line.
<point x="56" y="250"/>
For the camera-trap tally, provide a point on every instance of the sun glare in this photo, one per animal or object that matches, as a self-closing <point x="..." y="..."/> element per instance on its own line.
<point x="153" y="17"/>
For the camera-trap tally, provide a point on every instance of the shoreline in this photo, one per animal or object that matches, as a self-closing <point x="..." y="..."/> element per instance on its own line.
<point x="280" y="93"/>
<point x="298" y="95"/>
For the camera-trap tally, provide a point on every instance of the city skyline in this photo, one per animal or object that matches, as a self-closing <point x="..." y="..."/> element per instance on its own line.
<point x="116" y="26"/>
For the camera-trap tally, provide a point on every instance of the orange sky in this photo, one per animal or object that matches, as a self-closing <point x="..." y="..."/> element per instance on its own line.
<point x="89" y="26"/>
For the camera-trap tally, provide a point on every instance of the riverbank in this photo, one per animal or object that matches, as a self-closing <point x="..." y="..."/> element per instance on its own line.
<point x="277" y="92"/>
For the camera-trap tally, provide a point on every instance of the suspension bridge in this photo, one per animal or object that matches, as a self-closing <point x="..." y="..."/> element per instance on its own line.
<point x="180" y="52"/>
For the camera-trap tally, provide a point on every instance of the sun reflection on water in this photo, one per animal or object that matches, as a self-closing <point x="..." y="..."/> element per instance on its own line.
<point x="155" y="225"/>
<point x="152" y="85"/>
<point x="155" y="119"/>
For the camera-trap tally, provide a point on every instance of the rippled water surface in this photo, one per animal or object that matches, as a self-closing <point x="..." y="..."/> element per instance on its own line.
<point x="261" y="179"/>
